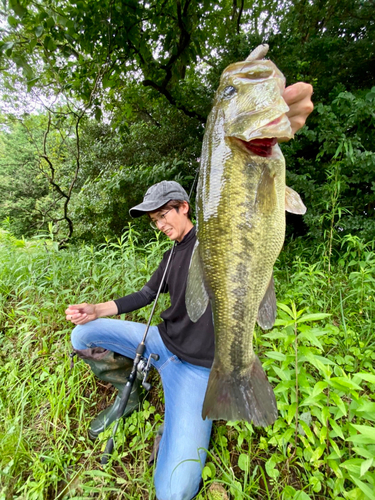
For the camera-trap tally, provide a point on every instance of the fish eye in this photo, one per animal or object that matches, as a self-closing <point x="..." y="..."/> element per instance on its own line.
<point x="229" y="91"/>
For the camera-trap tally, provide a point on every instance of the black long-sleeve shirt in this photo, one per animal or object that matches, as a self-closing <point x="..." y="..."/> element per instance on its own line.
<point x="192" y="342"/>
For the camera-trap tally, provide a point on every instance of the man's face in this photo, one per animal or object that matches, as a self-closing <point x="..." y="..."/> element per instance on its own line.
<point x="175" y="224"/>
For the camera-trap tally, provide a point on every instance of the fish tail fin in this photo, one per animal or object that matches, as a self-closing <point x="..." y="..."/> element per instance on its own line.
<point x="240" y="396"/>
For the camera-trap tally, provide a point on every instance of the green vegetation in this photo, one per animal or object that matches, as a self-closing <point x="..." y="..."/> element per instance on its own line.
<point x="99" y="100"/>
<point x="319" y="357"/>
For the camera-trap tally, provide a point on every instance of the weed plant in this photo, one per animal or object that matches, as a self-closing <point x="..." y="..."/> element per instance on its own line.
<point x="319" y="357"/>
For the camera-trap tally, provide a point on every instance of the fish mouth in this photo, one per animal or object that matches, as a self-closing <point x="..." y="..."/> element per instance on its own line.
<point x="260" y="147"/>
<point x="263" y="146"/>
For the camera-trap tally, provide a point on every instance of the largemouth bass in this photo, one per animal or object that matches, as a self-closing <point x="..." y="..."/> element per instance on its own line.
<point x="240" y="231"/>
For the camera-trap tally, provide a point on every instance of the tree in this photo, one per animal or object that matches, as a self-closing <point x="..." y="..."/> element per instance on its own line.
<point x="24" y="192"/>
<point x="147" y="73"/>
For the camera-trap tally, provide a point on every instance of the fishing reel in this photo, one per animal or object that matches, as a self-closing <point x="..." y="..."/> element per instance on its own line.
<point x="143" y="369"/>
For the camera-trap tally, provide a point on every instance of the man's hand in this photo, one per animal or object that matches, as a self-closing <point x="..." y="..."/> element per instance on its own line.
<point x="80" y="314"/>
<point x="298" y="98"/>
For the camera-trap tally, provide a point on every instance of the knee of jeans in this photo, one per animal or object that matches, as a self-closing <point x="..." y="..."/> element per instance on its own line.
<point x="180" y="485"/>
<point x="78" y="337"/>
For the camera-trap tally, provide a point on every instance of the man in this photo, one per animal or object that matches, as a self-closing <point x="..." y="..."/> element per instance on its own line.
<point x="185" y="349"/>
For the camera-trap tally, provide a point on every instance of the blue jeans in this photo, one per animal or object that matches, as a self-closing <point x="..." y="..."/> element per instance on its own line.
<point x="182" y="451"/>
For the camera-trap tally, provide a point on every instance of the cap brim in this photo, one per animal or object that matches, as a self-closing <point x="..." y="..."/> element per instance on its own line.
<point x="145" y="207"/>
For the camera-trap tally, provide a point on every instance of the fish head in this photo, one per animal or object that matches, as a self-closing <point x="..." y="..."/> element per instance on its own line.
<point x="252" y="109"/>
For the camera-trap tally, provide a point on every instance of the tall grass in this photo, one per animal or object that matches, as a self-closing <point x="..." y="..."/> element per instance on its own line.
<point x="319" y="358"/>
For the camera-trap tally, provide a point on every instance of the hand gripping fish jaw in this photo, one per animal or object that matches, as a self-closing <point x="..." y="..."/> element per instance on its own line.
<point x="250" y="96"/>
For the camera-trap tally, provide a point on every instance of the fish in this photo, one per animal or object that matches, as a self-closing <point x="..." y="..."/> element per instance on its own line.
<point x="240" y="225"/>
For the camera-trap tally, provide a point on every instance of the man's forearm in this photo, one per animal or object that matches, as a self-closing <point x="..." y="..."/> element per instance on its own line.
<point x="106" y="309"/>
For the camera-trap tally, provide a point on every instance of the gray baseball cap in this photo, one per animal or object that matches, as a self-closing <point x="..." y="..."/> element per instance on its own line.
<point x="158" y="195"/>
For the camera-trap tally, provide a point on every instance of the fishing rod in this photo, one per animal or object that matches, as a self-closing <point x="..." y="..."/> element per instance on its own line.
<point x="141" y="365"/>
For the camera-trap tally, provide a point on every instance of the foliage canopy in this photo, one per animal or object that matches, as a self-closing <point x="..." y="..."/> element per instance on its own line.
<point x="127" y="87"/>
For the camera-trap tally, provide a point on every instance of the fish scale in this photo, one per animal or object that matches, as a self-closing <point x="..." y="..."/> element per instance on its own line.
<point x="240" y="231"/>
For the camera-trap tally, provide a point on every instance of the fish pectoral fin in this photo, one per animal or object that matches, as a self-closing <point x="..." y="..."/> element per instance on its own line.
<point x="293" y="202"/>
<point x="267" y="309"/>
<point x="196" y="296"/>
<point x="266" y="196"/>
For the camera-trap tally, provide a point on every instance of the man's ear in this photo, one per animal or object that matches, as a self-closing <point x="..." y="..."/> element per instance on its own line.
<point x="185" y="207"/>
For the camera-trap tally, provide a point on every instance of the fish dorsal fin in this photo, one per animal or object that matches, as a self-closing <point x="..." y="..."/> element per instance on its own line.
<point x="293" y="202"/>
<point x="196" y="296"/>
<point x="267" y="309"/>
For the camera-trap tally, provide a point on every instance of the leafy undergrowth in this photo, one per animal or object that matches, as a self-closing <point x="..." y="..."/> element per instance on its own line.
<point x="319" y="358"/>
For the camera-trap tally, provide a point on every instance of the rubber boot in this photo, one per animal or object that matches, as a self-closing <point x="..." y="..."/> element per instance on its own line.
<point x="114" y="368"/>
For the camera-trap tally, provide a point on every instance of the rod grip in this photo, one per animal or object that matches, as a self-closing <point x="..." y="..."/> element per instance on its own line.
<point x="108" y="451"/>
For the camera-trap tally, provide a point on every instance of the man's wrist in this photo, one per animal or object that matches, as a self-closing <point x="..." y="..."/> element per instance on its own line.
<point x="106" y="309"/>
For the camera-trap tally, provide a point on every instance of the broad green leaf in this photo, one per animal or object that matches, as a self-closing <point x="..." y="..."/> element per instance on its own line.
<point x="361" y="439"/>
<point x="283" y="322"/>
<point x="32" y="43"/>
<point x="308" y="355"/>
<point x="283" y="374"/>
<point x="335" y="467"/>
<point x="367" y="490"/>
<point x="365" y="430"/>
<point x="319" y="387"/>
<point x="307" y="431"/>
<point x="6" y="46"/>
<point x="336" y="428"/>
<point x="270" y="469"/>
<point x="100" y="473"/>
<point x="208" y="471"/>
<point x="323" y="433"/>
<point x="301" y="495"/>
<point x="316" y="483"/>
<point x="279" y="356"/>
<point x="285" y="308"/>
<point x="325" y="415"/>
<point x="283" y="386"/>
<point x="12" y="21"/>
<point x="312" y="317"/>
<point x="39" y="31"/>
<point x="318" y="452"/>
<point x="338" y="451"/>
<point x="339" y="403"/>
<point x="311" y="338"/>
<point x="51" y="46"/>
<point x="50" y="22"/>
<point x="366" y="407"/>
<point x="275" y="334"/>
<point x="343" y="383"/>
<point x="18" y="8"/>
<point x="291" y="412"/>
<point x="244" y="462"/>
<point x="285" y="438"/>
<point x="363" y="452"/>
<point x="318" y="400"/>
<point x="366" y="465"/>
<point x="369" y="377"/>
<point x="98" y="114"/>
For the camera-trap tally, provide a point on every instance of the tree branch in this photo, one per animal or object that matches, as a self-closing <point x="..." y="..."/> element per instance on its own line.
<point x="172" y="100"/>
